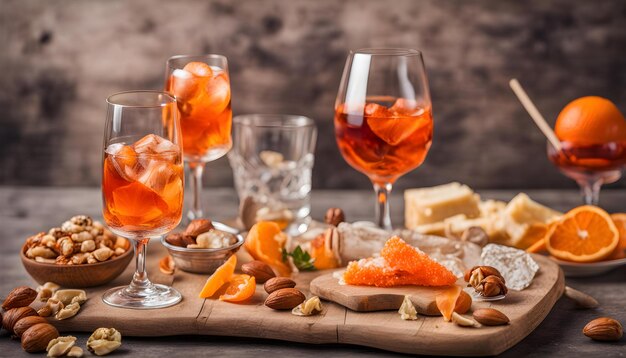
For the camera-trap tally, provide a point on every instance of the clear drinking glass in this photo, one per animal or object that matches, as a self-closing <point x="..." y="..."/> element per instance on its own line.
<point x="201" y="85"/>
<point x="272" y="161"/>
<point x="383" y="118"/>
<point x="142" y="185"/>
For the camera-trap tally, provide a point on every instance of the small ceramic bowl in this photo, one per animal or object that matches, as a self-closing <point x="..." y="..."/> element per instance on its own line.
<point x="204" y="260"/>
<point x="76" y="276"/>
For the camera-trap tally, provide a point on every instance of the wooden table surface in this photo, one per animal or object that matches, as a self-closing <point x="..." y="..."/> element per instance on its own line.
<point x="28" y="210"/>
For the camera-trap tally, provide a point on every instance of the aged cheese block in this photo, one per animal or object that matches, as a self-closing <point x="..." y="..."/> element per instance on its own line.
<point x="430" y="205"/>
<point x="522" y="215"/>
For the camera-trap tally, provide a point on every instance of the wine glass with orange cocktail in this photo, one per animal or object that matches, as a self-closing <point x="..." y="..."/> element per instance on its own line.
<point x="202" y="88"/>
<point x="383" y="117"/>
<point x="142" y="185"/>
<point x="592" y="134"/>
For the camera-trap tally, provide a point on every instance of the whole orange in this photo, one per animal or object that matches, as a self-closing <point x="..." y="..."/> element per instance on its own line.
<point x="591" y="120"/>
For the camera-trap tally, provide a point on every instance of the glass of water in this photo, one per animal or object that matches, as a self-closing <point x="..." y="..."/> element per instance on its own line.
<point x="272" y="160"/>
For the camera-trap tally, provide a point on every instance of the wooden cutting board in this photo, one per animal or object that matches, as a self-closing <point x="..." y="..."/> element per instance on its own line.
<point x="336" y="324"/>
<point x="368" y="299"/>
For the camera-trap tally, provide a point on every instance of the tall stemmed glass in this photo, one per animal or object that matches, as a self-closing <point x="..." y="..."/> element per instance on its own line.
<point x="202" y="89"/>
<point x="142" y="185"/>
<point x="383" y="118"/>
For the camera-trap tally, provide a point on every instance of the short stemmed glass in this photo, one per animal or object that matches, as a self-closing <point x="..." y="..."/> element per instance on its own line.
<point x="142" y="185"/>
<point x="202" y="88"/>
<point x="383" y="118"/>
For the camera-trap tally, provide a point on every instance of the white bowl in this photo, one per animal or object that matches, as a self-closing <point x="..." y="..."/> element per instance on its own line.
<point x="574" y="269"/>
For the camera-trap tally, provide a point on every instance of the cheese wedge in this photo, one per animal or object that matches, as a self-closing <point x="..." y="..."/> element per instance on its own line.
<point x="523" y="217"/>
<point x="431" y="205"/>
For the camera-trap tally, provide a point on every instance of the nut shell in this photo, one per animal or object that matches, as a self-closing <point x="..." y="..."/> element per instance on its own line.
<point x="284" y="299"/>
<point x="490" y="317"/>
<point x="25" y="323"/>
<point x="12" y="316"/>
<point x="277" y="283"/>
<point x="37" y="337"/>
<point x="604" y="329"/>
<point x="19" y="297"/>
<point x="259" y="270"/>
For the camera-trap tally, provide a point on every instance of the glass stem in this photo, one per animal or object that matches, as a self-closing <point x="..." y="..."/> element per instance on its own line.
<point x="197" y="169"/>
<point x="590" y="190"/>
<point x="140" y="281"/>
<point x="383" y="218"/>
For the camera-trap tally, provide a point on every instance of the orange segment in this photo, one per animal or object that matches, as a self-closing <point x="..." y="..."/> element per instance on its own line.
<point x="584" y="234"/>
<point x="265" y="242"/>
<point x="446" y="301"/>
<point x="591" y="120"/>
<point x="222" y="275"/>
<point x="324" y="257"/>
<point x="241" y="288"/>
<point x="400" y="264"/>
<point x="394" y="130"/>
<point x="619" y="220"/>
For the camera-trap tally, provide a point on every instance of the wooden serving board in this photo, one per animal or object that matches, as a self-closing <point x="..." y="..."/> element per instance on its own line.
<point x="336" y="324"/>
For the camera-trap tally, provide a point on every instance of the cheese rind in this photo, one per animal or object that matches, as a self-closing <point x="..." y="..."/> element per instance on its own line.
<point x="431" y="205"/>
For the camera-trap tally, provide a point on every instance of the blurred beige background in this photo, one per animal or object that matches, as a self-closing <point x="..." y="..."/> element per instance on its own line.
<point x="61" y="59"/>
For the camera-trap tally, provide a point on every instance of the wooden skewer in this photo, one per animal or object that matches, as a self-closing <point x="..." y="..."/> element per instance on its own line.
<point x="534" y="114"/>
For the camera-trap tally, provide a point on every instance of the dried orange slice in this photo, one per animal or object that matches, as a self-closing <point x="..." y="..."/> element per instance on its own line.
<point x="265" y="242"/>
<point x="584" y="234"/>
<point x="619" y="220"/>
<point x="222" y="275"/>
<point x="241" y="288"/>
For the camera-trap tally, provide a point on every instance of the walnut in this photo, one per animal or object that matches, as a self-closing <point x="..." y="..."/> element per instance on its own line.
<point x="60" y="346"/>
<point x="104" y="341"/>
<point x="45" y="291"/>
<point x="68" y="311"/>
<point x="70" y="296"/>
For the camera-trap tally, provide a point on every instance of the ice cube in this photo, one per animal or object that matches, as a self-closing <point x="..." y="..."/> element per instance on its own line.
<point x="406" y="107"/>
<point x="124" y="160"/>
<point x="166" y="146"/>
<point x="184" y="85"/>
<point x="218" y="91"/>
<point x="148" y="144"/>
<point x="157" y="175"/>
<point x="200" y="69"/>
<point x="114" y="148"/>
<point x="375" y="110"/>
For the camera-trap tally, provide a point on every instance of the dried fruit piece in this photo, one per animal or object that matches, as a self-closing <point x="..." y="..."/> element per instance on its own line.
<point x="446" y="301"/>
<point x="265" y="242"/>
<point x="324" y="250"/>
<point x="490" y="317"/>
<point x="584" y="234"/>
<point x="240" y="288"/>
<point x="221" y="275"/>
<point x="604" y="329"/>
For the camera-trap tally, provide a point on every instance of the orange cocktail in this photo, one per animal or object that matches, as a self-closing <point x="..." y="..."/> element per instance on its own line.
<point x="142" y="185"/>
<point x="389" y="138"/>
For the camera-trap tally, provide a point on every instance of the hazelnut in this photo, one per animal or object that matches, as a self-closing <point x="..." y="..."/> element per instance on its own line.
<point x="19" y="297"/>
<point x="492" y="286"/>
<point x="12" y="316"/>
<point x="334" y="216"/>
<point x="25" y="323"/>
<point x="37" y="337"/>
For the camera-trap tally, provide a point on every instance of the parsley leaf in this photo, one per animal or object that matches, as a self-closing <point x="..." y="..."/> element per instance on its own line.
<point x="301" y="259"/>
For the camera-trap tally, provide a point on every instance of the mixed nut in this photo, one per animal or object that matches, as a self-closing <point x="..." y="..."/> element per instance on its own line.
<point x="80" y="240"/>
<point x="486" y="280"/>
<point x="200" y="234"/>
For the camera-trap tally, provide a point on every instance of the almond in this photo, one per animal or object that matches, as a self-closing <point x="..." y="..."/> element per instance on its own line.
<point x="604" y="329"/>
<point x="175" y="239"/>
<point x="260" y="270"/>
<point x="19" y="297"/>
<point x="25" y="323"/>
<point x="197" y="227"/>
<point x="463" y="303"/>
<point x="276" y="283"/>
<point x="490" y="317"/>
<point x="37" y="337"/>
<point x="284" y="299"/>
<point x="12" y="316"/>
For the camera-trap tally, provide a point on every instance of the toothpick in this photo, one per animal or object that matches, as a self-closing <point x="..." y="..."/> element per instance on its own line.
<point x="534" y="114"/>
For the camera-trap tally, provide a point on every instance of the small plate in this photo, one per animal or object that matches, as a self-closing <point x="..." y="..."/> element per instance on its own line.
<point x="477" y="297"/>
<point x="573" y="269"/>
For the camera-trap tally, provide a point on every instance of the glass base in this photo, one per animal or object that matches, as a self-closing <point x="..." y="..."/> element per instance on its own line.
<point x="154" y="296"/>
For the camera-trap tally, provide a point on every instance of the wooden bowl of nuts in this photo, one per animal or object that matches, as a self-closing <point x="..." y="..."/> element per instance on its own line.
<point x="80" y="253"/>
<point x="203" y="246"/>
